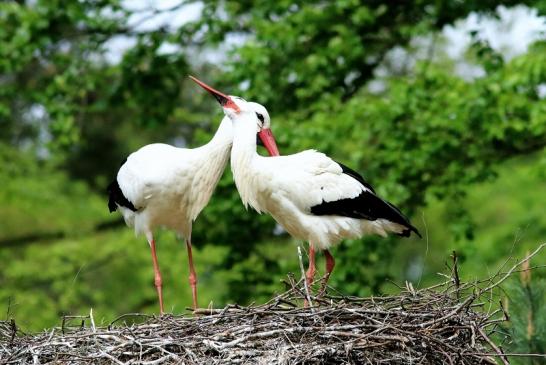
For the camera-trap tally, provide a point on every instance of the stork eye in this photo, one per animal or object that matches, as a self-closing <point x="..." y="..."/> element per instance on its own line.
<point x="260" y="117"/>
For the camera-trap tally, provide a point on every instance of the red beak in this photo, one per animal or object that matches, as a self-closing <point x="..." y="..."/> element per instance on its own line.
<point x="269" y="141"/>
<point x="265" y="134"/>
<point x="224" y="100"/>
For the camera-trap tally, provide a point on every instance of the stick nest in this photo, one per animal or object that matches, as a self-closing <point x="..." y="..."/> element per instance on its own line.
<point x="438" y="325"/>
<point x="449" y="323"/>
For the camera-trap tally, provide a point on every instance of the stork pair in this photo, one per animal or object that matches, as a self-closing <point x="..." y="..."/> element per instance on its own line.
<point x="311" y="196"/>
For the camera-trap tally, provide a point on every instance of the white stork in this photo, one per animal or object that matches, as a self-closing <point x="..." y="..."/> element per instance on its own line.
<point x="313" y="197"/>
<point x="162" y="185"/>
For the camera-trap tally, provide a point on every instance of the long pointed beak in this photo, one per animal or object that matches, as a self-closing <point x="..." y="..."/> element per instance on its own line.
<point x="269" y="142"/>
<point x="224" y="100"/>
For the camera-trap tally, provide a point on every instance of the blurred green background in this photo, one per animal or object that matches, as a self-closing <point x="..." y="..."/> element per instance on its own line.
<point x="441" y="105"/>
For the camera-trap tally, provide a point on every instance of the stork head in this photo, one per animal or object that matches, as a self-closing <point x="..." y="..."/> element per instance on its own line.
<point x="235" y="106"/>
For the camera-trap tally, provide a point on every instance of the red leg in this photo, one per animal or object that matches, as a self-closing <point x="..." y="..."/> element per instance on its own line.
<point x="310" y="274"/>
<point x="158" y="281"/>
<point x="193" y="275"/>
<point x="330" y="263"/>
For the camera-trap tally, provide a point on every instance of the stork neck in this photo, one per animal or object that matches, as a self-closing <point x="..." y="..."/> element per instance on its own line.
<point x="224" y="133"/>
<point x="243" y="156"/>
<point x="221" y="141"/>
<point x="244" y="140"/>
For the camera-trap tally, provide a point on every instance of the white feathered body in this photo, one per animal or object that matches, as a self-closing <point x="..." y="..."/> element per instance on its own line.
<point x="170" y="186"/>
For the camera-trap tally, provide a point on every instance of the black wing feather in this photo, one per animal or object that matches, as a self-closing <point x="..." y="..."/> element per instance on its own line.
<point x="367" y="205"/>
<point x="116" y="196"/>
<point x="355" y="175"/>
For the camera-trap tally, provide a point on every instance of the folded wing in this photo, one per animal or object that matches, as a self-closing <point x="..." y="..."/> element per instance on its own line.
<point x="318" y="185"/>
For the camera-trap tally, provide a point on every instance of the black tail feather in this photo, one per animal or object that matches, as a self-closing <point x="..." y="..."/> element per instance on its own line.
<point x="116" y="197"/>
<point x="407" y="232"/>
<point x="366" y="206"/>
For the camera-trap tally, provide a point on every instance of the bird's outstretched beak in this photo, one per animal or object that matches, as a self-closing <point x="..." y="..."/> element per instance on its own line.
<point x="224" y="100"/>
<point x="266" y="136"/>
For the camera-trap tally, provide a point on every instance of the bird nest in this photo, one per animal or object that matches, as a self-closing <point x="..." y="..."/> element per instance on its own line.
<point x="448" y="323"/>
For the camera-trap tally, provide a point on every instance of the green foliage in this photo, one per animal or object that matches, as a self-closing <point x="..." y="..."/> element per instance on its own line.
<point x="525" y="301"/>
<point x="300" y="52"/>
<point x="36" y="200"/>
<point x="507" y="222"/>
<point x="63" y="93"/>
